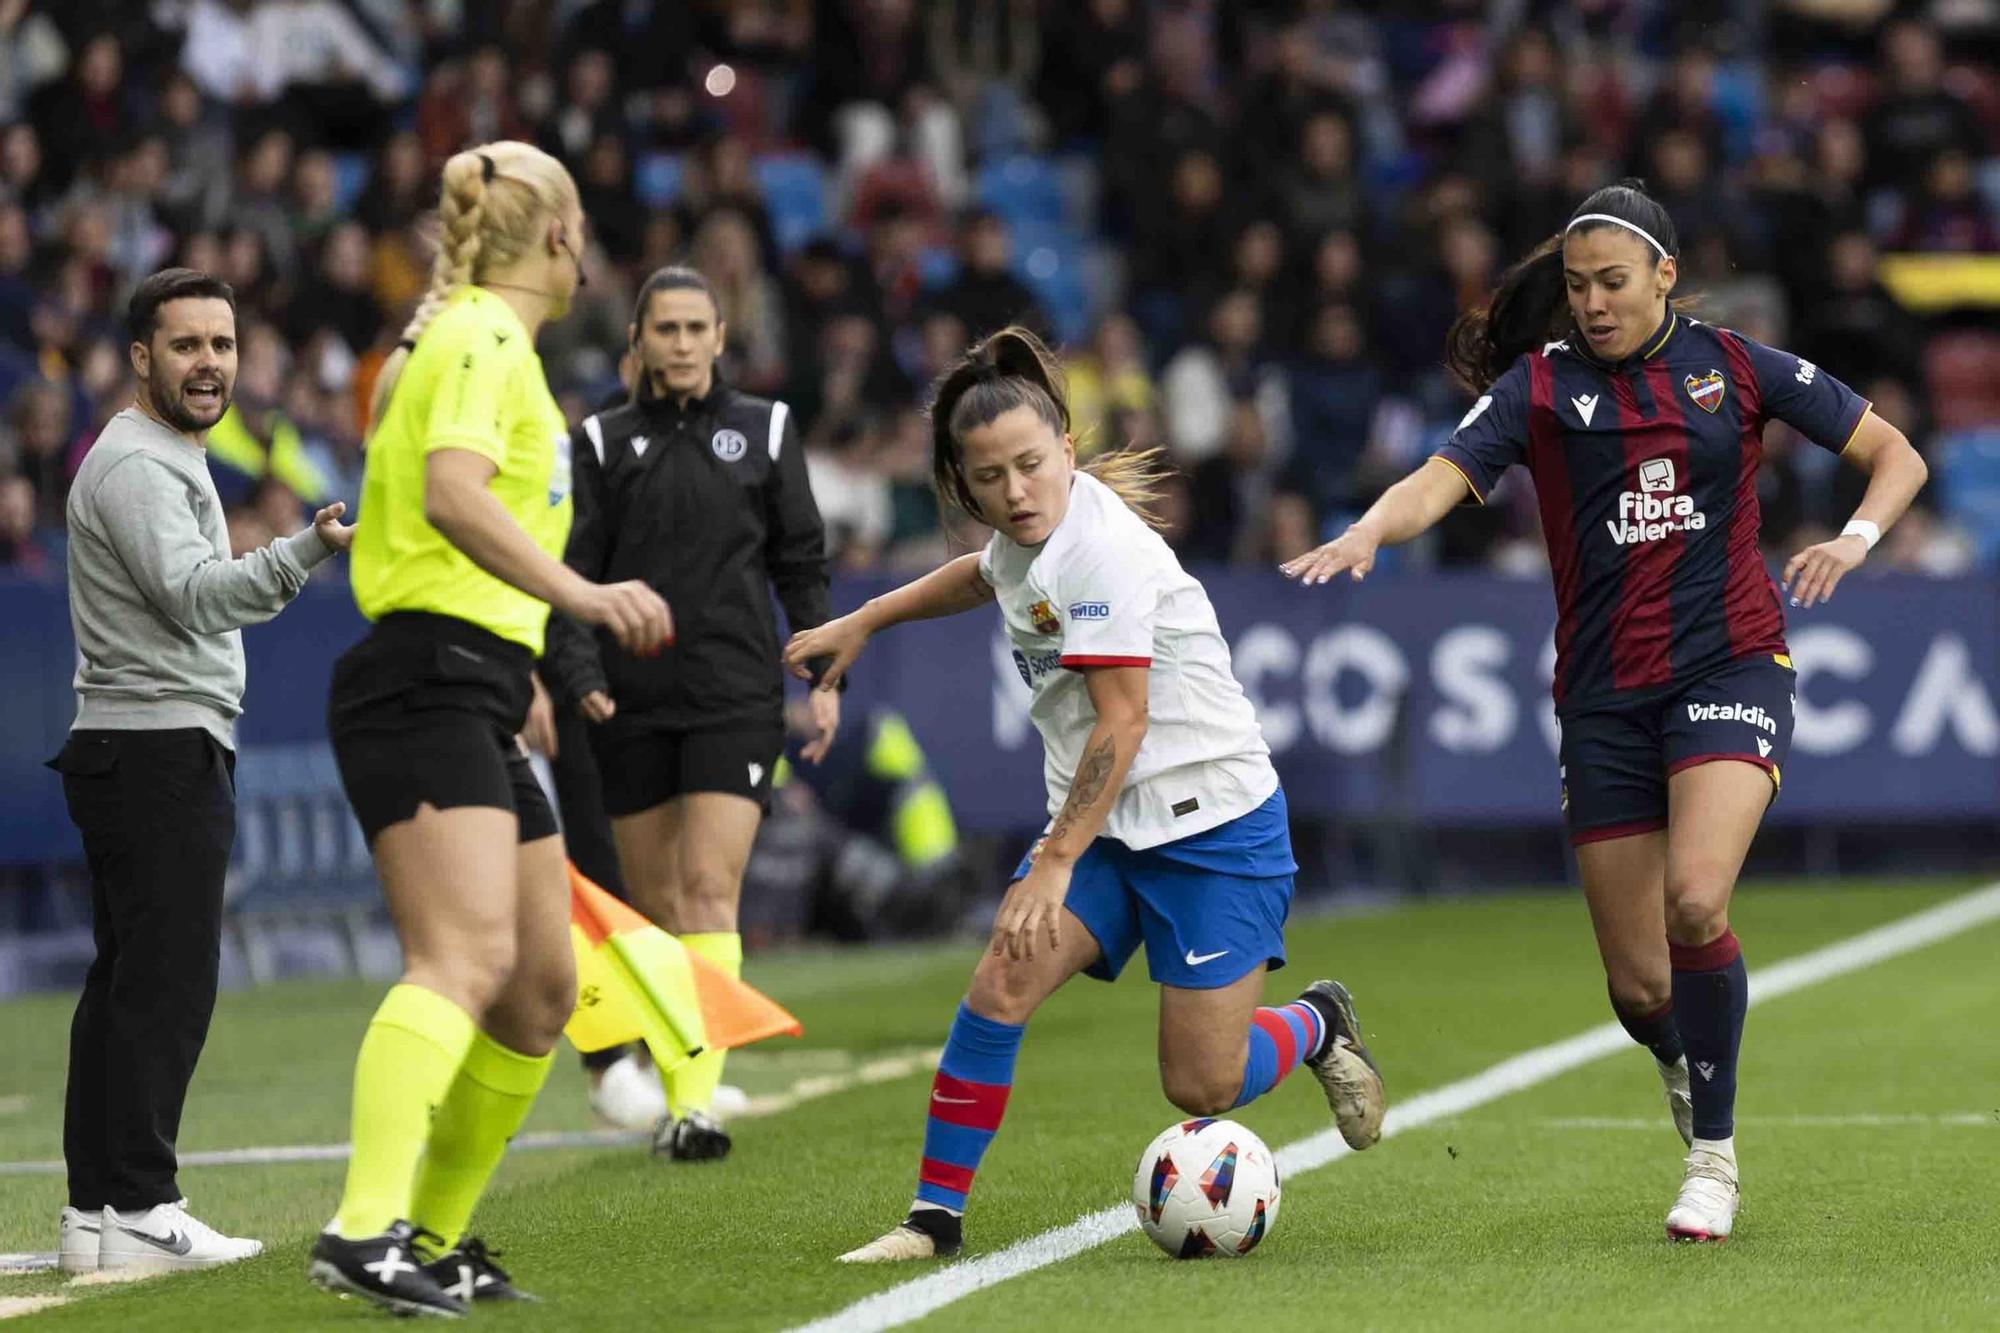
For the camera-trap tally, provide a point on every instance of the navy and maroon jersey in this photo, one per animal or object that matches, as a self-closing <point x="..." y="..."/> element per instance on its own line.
<point x="1646" y="475"/>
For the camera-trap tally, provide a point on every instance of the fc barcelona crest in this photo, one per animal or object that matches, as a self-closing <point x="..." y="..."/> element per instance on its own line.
<point x="1706" y="390"/>
<point x="1044" y="617"/>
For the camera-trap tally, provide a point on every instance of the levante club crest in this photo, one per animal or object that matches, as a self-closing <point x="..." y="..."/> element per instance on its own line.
<point x="1706" y="390"/>
<point x="1044" y="617"/>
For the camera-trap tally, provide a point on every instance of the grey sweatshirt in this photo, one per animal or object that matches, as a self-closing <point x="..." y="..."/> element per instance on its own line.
<point x="155" y="598"/>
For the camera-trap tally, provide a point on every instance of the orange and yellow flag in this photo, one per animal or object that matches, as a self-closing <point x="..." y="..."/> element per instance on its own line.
<point x="637" y="982"/>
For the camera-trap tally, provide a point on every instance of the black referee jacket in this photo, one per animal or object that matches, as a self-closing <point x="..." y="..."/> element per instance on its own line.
<point x="709" y="503"/>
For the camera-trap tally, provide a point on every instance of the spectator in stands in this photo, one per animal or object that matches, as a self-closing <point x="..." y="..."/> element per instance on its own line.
<point x="1093" y="54"/>
<point x="1856" y="329"/>
<point x="81" y="116"/>
<point x="470" y="102"/>
<point x="395" y="194"/>
<point x="20" y="551"/>
<point x="725" y="250"/>
<point x="588" y="109"/>
<point x="1322" y="193"/>
<point x="337" y="296"/>
<point x="1175" y="246"/>
<point x="39" y="418"/>
<point x="1204" y="378"/>
<point x="1106" y="376"/>
<point x="1946" y="213"/>
<point x="605" y="182"/>
<point x="32" y="52"/>
<point x="1336" y="389"/>
<point x="201" y="156"/>
<point x="1230" y="495"/>
<point x="1918" y="117"/>
<point x="985" y="295"/>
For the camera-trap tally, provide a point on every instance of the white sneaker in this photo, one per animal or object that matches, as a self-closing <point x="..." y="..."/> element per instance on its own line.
<point x="1706" y="1207"/>
<point x="627" y="1095"/>
<point x="166" y="1238"/>
<point x="76" y="1252"/>
<point x="1680" y="1097"/>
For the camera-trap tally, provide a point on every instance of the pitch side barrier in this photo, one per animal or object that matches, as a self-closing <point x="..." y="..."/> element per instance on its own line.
<point x="1418" y="697"/>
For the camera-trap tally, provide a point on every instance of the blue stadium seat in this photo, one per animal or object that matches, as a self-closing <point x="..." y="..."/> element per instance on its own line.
<point x="299" y="853"/>
<point x="1969" y="486"/>
<point x="350" y="178"/>
<point x="795" y="192"/>
<point x="658" y="180"/>
<point x="1020" y="189"/>
<point x="939" y="265"/>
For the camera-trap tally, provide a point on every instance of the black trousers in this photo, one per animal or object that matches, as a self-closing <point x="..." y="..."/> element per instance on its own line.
<point x="157" y="811"/>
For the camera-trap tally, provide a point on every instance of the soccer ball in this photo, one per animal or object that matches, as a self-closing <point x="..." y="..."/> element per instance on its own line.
<point x="1206" y="1187"/>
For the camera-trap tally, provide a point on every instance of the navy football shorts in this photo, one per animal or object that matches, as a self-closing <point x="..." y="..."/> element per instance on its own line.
<point x="1616" y="760"/>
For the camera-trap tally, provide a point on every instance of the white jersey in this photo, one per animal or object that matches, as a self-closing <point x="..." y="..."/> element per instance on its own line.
<point x="1104" y="590"/>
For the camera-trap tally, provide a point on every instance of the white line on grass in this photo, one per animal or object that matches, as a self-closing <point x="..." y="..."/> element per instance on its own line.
<point x="912" y="1300"/>
<point x="13" y="1307"/>
<point x="807" y="1089"/>
<point x="1955" y="1118"/>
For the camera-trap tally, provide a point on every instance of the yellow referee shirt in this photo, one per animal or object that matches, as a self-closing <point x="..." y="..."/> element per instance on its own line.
<point x="473" y="382"/>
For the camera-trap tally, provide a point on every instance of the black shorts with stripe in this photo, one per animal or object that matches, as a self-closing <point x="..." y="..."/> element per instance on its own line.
<point x="427" y="709"/>
<point x="643" y="767"/>
<point x="1616" y="760"/>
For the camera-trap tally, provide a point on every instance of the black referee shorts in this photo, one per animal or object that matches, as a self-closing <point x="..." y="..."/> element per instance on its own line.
<point x="428" y="708"/>
<point x="641" y="768"/>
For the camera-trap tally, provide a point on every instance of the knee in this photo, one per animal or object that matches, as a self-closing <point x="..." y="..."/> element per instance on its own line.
<point x="1635" y="995"/>
<point x="1697" y="908"/>
<point x="474" y="972"/>
<point x="1200" y="1091"/>
<point x="705" y="899"/>
<point x="531" y="1011"/>
<point x="1002" y="990"/>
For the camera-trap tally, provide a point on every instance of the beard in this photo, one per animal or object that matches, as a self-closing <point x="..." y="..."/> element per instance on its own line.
<point x="170" y="402"/>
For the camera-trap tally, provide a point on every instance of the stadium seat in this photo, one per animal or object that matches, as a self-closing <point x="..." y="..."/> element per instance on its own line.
<point x="299" y="853"/>
<point x="795" y="192"/>
<point x="658" y="179"/>
<point x="1969" y="486"/>
<point x="350" y="178"/>
<point x="1020" y="189"/>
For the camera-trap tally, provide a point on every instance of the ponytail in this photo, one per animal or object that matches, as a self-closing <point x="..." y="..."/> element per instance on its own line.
<point x="494" y="201"/>
<point x="1530" y="306"/>
<point x="1526" y="310"/>
<point x="1010" y="369"/>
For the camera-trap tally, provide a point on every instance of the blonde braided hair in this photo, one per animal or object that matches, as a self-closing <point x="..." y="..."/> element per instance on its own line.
<point x="493" y="205"/>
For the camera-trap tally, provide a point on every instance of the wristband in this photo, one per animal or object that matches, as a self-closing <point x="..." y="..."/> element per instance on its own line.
<point x="1868" y="532"/>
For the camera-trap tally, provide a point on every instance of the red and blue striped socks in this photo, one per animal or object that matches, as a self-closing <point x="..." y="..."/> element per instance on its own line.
<point x="968" y="1097"/>
<point x="1279" y="1039"/>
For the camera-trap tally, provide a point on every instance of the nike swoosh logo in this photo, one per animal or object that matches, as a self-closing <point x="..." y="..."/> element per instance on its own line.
<point x="1197" y="959"/>
<point x="953" y="1101"/>
<point x="174" y="1242"/>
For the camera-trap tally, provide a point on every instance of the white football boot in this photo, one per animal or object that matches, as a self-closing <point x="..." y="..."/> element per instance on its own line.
<point x="929" y="1233"/>
<point x="627" y="1095"/>
<point x="166" y="1238"/>
<point x="1680" y="1098"/>
<point x="1706" y="1206"/>
<point x="76" y="1250"/>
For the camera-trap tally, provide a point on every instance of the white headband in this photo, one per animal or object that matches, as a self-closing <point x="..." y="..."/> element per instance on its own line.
<point x="1574" y="223"/>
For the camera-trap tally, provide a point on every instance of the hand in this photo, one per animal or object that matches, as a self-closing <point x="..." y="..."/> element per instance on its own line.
<point x="1353" y="551"/>
<point x="636" y="616"/>
<point x="841" y="639"/>
<point x="1818" y="568"/>
<point x="1033" y="905"/>
<point x="597" y="706"/>
<point x="337" y="535"/>
<point x="540" y="729"/>
<point x="825" y="705"/>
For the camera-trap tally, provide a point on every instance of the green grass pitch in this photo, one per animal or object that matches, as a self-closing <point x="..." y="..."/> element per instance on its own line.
<point x="1869" y="1134"/>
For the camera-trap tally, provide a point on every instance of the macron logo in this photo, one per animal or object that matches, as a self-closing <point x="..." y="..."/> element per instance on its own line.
<point x="1585" y="405"/>
<point x="1763" y="748"/>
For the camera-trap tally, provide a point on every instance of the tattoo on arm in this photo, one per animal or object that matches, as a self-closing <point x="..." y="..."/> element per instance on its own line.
<point x="1092" y="776"/>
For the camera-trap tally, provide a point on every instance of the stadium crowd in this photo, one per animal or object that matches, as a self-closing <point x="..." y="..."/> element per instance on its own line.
<point x="1250" y="223"/>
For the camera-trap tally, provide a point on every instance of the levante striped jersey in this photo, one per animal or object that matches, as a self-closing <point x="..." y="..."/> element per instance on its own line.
<point x="1646" y="476"/>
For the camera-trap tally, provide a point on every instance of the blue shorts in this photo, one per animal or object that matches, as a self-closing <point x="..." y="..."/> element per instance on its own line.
<point x="1616" y="760"/>
<point x="1209" y="908"/>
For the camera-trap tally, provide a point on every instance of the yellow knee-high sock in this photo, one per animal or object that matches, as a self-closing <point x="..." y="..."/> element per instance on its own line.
<point x="409" y="1056"/>
<point x="692" y="1086"/>
<point x="486" y="1105"/>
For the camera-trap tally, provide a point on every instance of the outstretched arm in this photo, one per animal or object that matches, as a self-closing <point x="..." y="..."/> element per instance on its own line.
<point x="1406" y="510"/>
<point x="945" y="591"/>
<point x="1896" y="472"/>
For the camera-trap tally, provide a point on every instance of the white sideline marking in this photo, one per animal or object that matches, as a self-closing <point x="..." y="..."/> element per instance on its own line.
<point x="912" y="1300"/>
<point x="1971" y="1118"/>
<point x="14" y="1104"/>
<point x="803" y="1090"/>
